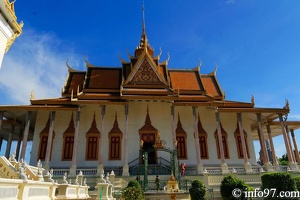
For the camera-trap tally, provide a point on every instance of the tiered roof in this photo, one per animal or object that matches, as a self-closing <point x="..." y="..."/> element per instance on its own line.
<point x="142" y="77"/>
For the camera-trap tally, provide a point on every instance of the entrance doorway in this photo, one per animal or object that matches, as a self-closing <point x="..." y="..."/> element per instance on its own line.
<point x="149" y="148"/>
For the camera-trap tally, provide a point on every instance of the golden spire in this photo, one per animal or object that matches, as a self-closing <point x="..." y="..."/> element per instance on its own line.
<point x="143" y="42"/>
<point x="143" y="23"/>
<point x="32" y="95"/>
<point x="143" y="46"/>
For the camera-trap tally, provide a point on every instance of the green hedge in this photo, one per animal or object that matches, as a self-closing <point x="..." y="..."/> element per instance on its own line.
<point x="230" y="183"/>
<point x="281" y="181"/>
<point x="297" y="182"/>
<point x="197" y="191"/>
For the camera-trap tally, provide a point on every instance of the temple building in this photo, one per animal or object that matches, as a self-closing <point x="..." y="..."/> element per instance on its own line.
<point x="109" y="117"/>
<point x="10" y="29"/>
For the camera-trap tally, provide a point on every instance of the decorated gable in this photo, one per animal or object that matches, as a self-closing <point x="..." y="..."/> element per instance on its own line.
<point x="146" y="75"/>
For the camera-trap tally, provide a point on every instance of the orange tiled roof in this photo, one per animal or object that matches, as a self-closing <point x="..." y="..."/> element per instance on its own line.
<point x="162" y="70"/>
<point x="75" y="79"/>
<point x="185" y="80"/>
<point x="103" y="78"/>
<point x="211" y="85"/>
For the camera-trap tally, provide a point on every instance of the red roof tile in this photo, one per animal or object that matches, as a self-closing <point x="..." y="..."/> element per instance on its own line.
<point x="100" y="78"/>
<point x="211" y="86"/>
<point x="185" y="80"/>
<point x="75" y="80"/>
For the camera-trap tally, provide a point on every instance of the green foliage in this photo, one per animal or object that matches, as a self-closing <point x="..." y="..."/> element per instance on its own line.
<point x="197" y="192"/>
<point x="279" y="180"/>
<point x="283" y="162"/>
<point x="297" y="182"/>
<point x="133" y="191"/>
<point x="134" y="183"/>
<point x="229" y="183"/>
<point x="284" y="157"/>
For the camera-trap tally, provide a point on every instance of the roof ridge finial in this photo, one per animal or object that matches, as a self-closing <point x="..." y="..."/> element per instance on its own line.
<point x="144" y="42"/>
<point x="143" y="22"/>
<point x="143" y="45"/>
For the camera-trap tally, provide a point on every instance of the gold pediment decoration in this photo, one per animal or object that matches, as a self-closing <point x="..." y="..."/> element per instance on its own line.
<point x="145" y="72"/>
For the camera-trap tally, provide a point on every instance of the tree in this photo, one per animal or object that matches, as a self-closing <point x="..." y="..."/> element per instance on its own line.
<point x="283" y="160"/>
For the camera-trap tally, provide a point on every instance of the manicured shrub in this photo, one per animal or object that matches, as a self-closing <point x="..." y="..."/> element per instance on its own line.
<point x="134" y="184"/>
<point x="197" y="191"/>
<point x="297" y="182"/>
<point x="229" y="183"/>
<point x="279" y="181"/>
<point x="133" y="191"/>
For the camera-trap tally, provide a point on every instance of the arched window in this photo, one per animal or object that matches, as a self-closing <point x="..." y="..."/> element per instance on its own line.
<point x="44" y="141"/>
<point x="68" y="141"/>
<point x="238" y="141"/>
<point x="43" y="145"/>
<point x="202" y="140"/>
<point x="92" y="142"/>
<point x="224" y="142"/>
<point x="115" y="141"/>
<point x="181" y="141"/>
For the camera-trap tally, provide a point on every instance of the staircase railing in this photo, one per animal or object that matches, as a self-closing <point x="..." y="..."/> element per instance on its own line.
<point x="153" y="169"/>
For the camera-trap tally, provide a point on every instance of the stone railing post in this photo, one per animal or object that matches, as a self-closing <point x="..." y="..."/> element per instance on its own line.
<point x="205" y="178"/>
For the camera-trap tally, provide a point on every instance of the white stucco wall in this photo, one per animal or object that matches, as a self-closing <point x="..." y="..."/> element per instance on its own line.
<point x="160" y="114"/>
<point x="5" y="33"/>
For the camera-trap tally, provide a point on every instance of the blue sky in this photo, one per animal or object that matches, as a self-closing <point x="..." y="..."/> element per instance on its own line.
<point x="255" y="44"/>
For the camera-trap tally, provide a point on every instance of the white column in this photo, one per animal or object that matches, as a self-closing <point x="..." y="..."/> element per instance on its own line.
<point x="125" y="166"/>
<point x="275" y="162"/>
<point x="49" y="141"/>
<point x="173" y="126"/>
<point x="290" y="143"/>
<point x="284" y="133"/>
<point x="196" y="137"/>
<point x="75" y="145"/>
<point x="100" y="155"/>
<point x="267" y="163"/>
<point x="224" y="166"/>
<point x="244" y="148"/>
<point x="248" y="168"/>
<point x="19" y="144"/>
<point x="25" y="135"/>
<point x="261" y="143"/>
<point x="296" y="146"/>
<point x="9" y="140"/>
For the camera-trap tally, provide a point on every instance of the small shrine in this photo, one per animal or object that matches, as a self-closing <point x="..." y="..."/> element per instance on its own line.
<point x="172" y="184"/>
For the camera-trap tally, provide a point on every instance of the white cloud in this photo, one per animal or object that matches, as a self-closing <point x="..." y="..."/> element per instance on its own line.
<point x="35" y="62"/>
<point x="294" y="116"/>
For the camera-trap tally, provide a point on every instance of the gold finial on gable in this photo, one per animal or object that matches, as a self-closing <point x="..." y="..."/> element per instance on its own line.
<point x="32" y="95"/>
